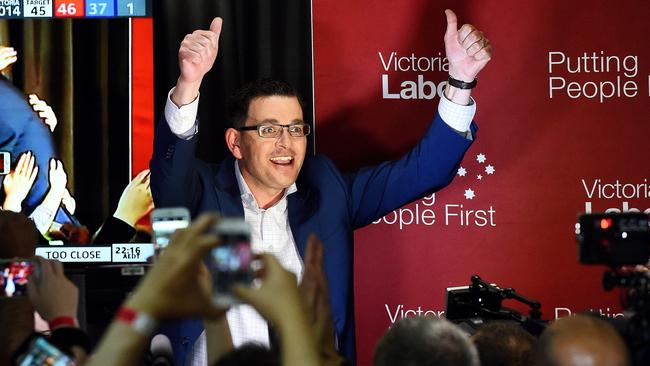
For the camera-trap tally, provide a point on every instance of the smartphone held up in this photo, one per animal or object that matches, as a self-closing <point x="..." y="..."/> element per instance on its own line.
<point x="15" y="274"/>
<point x="165" y="221"/>
<point x="232" y="262"/>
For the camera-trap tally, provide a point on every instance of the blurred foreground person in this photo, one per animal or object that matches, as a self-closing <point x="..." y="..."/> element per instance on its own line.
<point x="18" y="239"/>
<point x="50" y="293"/>
<point x="179" y="286"/>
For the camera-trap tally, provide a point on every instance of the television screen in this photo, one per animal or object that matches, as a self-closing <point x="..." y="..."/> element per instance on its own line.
<point x="76" y="116"/>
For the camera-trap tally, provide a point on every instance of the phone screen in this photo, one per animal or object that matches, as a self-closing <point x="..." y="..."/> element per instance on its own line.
<point x="231" y="262"/>
<point x="5" y="162"/>
<point x="14" y="275"/>
<point x="42" y="353"/>
<point x="165" y="222"/>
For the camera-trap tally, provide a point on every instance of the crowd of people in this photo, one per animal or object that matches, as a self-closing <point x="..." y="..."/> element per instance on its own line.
<point x="179" y="286"/>
<point x="295" y="303"/>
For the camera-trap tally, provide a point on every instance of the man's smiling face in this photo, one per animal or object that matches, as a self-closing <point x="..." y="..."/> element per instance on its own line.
<point x="272" y="164"/>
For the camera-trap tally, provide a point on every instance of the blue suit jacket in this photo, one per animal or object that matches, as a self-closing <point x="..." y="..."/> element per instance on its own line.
<point x="22" y="130"/>
<point x="328" y="203"/>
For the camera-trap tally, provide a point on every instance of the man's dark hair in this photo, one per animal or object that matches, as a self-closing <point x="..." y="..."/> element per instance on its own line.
<point x="425" y="341"/>
<point x="240" y="101"/>
<point x="504" y="344"/>
<point x="250" y="354"/>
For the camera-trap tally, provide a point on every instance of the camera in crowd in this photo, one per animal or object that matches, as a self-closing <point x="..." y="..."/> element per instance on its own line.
<point x="621" y="241"/>
<point x="230" y="263"/>
<point x="614" y="240"/>
<point x="14" y="276"/>
<point x="482" y="302"/>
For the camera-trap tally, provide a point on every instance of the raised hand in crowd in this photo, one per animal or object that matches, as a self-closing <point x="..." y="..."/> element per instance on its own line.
<point x="18" y="183"/>
<point x="196" y="57"/>
<point x="134" y="204"/>
<point x="56" y="299"/>
<point x="44" y="214"/>
<point x="278" y="301"/>
<point x="51" y="293"/>
<point x="468" y="51"/>
<point x="178" y="286"/>
<point x="44" y="111"/>
<point x="8" y="55"/>
<point x="18" y="239"/>
<point x="58" y="179"/>
<point x="315" y="295"/>
<point x="136" y="200"/>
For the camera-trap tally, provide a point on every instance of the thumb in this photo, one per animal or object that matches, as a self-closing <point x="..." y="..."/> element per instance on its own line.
<point x="452" y="23"/>
<point x="245" y="293"/>
<point x="215" y="26"/>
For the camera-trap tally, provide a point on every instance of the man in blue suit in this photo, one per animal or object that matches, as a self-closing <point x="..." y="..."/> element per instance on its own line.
<point x="285" y="195"/>
<point x="22" y="130"/>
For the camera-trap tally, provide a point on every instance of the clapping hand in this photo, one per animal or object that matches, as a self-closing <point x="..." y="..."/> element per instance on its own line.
<point x="19" y="182"/>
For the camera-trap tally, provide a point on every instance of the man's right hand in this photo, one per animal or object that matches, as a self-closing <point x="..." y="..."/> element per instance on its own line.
<point x="196" y="57"/>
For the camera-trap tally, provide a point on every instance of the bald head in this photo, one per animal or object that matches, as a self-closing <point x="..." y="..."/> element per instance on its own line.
<point x="581" y="340"/>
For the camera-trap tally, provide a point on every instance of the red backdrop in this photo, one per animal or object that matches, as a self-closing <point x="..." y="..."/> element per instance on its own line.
<point x="548" y="145"/>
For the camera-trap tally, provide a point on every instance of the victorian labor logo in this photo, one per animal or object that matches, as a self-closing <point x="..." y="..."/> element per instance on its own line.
<point x="464" y="212"/>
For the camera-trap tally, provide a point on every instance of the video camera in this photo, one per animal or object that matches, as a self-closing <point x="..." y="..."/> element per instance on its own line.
<point x="621" y="241"/>
<point x="470" y="306"/>
<point x="614" y="239"/>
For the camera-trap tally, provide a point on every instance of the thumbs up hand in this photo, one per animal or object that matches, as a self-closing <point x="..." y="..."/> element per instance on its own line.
<point x="467" y="49"/>
<point x="196" y="56"/>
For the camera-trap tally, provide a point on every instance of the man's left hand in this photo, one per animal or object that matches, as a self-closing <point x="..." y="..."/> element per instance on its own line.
<point x="467" y="49"/>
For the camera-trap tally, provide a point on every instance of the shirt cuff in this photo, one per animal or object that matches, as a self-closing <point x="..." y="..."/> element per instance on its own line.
<point x="42" y="218"/>
<point x="459" y="117"/>
<point x="182" y="120"/>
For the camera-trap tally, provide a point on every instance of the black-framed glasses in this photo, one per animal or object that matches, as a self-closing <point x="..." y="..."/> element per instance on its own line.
<point x="273" y="130"/>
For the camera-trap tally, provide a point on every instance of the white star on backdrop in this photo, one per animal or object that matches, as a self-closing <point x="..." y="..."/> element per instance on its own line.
<point x="462" y="171"/>
<point x="489" y="169"/>
<point x="479" y="177"/>
<point x="480" y="158"/>
<point x="469" y="194"/>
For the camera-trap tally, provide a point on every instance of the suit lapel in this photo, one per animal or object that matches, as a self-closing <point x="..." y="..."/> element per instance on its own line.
<point x="227" y="190"/>
<point x="302" y="219"/>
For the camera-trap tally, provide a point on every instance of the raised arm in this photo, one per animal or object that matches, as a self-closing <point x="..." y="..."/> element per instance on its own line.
<point x="433" y="162"/>
<point x="173" y="164"/>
